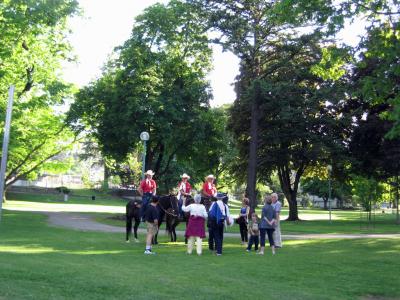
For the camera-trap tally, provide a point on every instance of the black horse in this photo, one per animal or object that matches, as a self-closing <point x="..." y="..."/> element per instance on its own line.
<point x="167" y="208"/>
<point x="132" y="213"/>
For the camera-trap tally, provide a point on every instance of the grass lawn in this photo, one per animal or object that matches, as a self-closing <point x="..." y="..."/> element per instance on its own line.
<point x="41" y="262"/>
<point x="343" y="223"/>
<point x="313" y="220"/>
<point x="77" y="196"/>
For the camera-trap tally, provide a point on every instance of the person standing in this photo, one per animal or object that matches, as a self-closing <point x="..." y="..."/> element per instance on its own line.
<point x="195" y="228"/>
<point x="184" y="190"/>
<point x="267" y="223"/>
<point x="277" y="207"/>
<point x="151" y="217"/>
<point x="243" y="220"/>
<point x="209" y="192"/>
<point x="211" y="240"/>
<point x="219" y="215"/>
<point x="254" y="233"/>
<point x="147" y="189"/>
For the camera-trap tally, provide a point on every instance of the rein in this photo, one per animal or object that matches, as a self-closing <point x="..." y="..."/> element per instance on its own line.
<point x="167" y="212"/>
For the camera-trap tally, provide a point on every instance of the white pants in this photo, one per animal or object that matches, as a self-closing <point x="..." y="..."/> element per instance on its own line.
<point x="277" y="235"/>
<point x="191" y="243"/>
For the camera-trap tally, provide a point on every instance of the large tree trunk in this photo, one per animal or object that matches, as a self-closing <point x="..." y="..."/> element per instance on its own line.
<point x="159" y="160"/>
<point x="325" y="203"/>
<point x="293" y="211"/>
<point x="106" y="177"/>
<point x="290" y="188"/>
<point x="253" y="147"/>
<point x="252" y="166"/>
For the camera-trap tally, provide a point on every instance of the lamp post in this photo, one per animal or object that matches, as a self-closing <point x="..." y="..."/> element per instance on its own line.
<point x="329" y="192"/>
<point x="144" y="136"/>
<point x="6" y="139"/>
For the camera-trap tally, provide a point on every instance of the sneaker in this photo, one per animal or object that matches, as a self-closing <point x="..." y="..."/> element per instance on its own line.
<point x="148" y="252"/>
<point x="219" y="254"/>
<point x="248" y="250"/>
<point x="260" y="253"/>
<point x="136" y="241"/>
<point x="127" y="241"/>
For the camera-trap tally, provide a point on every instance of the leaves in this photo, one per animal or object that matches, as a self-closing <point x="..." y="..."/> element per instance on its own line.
<point x="31" y="48"/>
<point x="157" y="83"/>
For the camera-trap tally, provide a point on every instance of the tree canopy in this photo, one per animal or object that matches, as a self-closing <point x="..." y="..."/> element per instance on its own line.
<point x="157" y="83"/>
<point x="32" y="46"/>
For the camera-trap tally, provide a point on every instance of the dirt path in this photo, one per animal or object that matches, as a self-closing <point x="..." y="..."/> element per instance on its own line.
<point x="86" y="223"/>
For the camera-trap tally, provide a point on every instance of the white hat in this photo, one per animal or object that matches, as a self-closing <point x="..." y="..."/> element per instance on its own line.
<point x="149" y="172"/>
<point x="184" y="175"/>
<point x="210" y="176"/>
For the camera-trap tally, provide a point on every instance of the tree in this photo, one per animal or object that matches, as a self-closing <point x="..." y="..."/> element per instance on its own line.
<point x="367" y="191"/>
<point x="299" y="128"/>
<point x="320" y="187"/>
<point x="247" y="29"/>
<point x="156" y="83"/>
<point x="31" y="49"/>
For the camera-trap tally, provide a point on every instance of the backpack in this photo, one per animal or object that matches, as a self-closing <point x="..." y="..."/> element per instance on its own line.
<point x="217" y="213"/>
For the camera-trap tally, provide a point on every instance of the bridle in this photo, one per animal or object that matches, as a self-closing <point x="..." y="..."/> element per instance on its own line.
<point x="166" y="211"/>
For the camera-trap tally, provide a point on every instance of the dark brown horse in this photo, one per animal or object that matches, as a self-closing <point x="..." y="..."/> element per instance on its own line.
<point x="132" y="213"/>
<point x="167" y="208"/>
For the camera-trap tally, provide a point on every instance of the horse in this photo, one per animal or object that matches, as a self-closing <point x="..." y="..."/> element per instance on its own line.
<point x="167" y="207"/>
<point x="132" y="212"/>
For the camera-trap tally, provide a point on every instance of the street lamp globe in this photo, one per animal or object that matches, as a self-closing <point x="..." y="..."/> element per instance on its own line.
<point x="144" y="136"/>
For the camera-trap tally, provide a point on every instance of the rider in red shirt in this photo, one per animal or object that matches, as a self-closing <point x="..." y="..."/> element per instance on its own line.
<point x="184" y="189"/>
<point x="209" y="188"/>
<point x="147" y="189"/>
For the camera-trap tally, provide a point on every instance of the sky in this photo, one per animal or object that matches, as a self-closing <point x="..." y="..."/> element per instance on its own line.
<point x="106" y="24"/>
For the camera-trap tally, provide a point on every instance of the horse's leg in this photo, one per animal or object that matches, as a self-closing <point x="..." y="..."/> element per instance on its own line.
<point x="135" y="228"/>
<point x="155" y="241"/>
<point x="174" y="232"/>
<point x="128" y="227"/>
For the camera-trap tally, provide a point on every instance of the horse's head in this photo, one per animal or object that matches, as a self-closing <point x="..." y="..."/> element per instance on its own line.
<point x="169" y="203"/>
<point x="174" y="204"/>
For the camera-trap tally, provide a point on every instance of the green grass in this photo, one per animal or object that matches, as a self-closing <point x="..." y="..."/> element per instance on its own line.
<point x="41" y="262"/>
<point x="77" y="196"/>
<point x="343" y="223"/>
<point x="313" y="220"/>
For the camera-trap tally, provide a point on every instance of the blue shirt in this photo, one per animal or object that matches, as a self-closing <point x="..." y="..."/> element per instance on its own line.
<point x="269" y="213"/>
<point x="277" y="206"/>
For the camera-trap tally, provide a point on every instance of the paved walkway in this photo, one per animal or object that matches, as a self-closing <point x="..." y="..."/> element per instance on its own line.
<point x="86" y="223"/>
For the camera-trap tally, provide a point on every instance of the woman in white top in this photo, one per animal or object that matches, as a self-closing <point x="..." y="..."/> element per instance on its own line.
<point x="195" y="228"/>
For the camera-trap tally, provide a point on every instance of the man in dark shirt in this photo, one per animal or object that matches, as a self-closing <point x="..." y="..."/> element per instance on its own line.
<point x="151" y="217"/>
